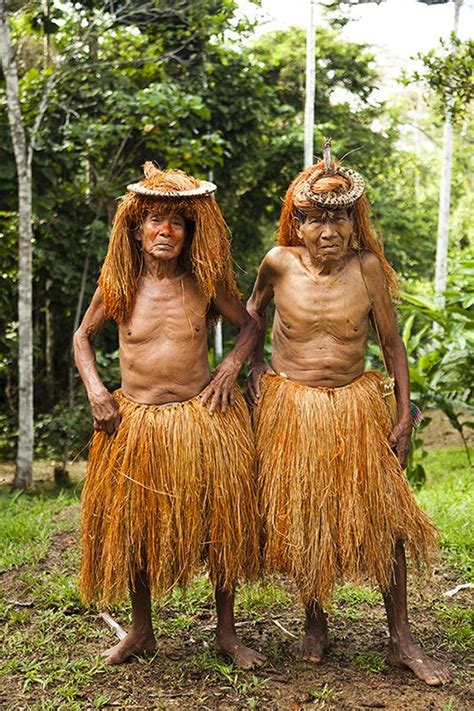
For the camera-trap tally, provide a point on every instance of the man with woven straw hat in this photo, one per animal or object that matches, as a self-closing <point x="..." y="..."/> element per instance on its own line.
<point x="335" y="501"/>
<point x="170" y="474"/>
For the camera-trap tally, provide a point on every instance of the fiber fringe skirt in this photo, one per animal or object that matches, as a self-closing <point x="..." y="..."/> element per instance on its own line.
<point x="333" y="497"/>
<point x="171" y="487"/>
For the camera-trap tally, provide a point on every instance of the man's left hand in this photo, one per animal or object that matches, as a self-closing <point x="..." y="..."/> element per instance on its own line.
<point x="221" y="388"/>
<point x="399" y="439"/>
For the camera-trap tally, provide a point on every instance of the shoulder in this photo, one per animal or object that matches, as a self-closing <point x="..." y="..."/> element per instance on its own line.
<point x="371" y="265"/>
<point x="278" y="257"/>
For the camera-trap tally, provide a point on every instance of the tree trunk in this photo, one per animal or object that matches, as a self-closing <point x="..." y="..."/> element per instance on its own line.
<point x="445" y="191"/>
<point x="49" y="344"/>
<point x="24" y="467"/>
<point x="309" y="91"/>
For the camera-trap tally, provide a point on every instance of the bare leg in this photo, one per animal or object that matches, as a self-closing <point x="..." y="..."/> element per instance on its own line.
<point x="315" y="639"/>
<point x="404" y="651"/>
<point x="140" y="638"/>
<point x="226" y="640"/>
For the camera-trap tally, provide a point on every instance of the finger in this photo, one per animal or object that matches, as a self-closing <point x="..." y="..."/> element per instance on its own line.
<point x="225" y="400"/>
<point x="214" y="402"/>
<point x="232" y="397"/>
<point x="207" y="392"/>
<point x="256" y="388"/>
<point x="109" y="427"/>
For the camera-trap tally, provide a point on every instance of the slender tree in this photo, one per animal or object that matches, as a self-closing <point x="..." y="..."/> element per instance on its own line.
<point x="445" y="187"/>
<point x="23" y="159"/>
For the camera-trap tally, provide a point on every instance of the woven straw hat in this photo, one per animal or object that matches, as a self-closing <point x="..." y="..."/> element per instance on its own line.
<point x="154" y="182"/>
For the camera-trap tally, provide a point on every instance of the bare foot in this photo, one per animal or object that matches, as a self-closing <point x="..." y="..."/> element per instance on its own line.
<point x="409" y="655"/>
<point x="133" y="643"/>
<point x="311" y="646"/>
<point x="242" y="656"/>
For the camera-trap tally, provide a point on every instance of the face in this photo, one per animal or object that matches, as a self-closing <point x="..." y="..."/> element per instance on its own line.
<point x="162" y="235"/>
<point x="326" y="234"/>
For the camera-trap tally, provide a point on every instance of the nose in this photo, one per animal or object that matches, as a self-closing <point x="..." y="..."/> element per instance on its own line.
<point x="165" y="228"/>
<point x="328" y="230"/>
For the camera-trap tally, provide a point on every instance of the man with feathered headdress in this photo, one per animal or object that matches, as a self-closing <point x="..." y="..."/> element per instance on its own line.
<point x="170" y="473"/>
<point x="335" y="501"/>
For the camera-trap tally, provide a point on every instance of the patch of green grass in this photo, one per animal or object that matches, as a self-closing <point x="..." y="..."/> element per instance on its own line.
<point x="27" y="521"/>
<point x="369" y="661"/>
<point x="349" y="599"/>
<point x="197" y="596"/>
<point x="240" y="681"/>
<point x="322" y="694"/>
<point x="448" y="497"/>
<point x="458" y="627"/>
<point x="353" y="595"/>
<point x="260" y="598"/>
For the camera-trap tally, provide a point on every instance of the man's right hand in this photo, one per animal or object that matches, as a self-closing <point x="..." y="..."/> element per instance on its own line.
<point x="252" y="382"/>
<point x="105" y="412"/>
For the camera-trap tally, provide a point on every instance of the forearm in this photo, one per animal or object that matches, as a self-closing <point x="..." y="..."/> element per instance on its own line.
<point x="84" y="356"/>
<point x="397" y="364"/>
<point x="257" y="355"/>
<point x="245" y="344"/>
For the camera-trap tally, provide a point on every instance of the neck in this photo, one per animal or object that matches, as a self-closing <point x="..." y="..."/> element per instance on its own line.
<point x="326" y="265"/>
<point x="161" y="268"/>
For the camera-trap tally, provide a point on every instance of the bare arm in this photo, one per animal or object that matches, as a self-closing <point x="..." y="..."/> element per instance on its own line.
<point x="220" y="389"/>
<point x="257" y="307"/>
<point x="105" y="412"/>
<point x="393" y="350"/>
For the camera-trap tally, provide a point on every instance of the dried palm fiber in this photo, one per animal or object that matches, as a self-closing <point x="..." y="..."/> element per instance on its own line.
<point x="363" y="235"/>
<point x="333" y="497"/>
<point x="207" y="252"/>
<point x="170" y="487"/>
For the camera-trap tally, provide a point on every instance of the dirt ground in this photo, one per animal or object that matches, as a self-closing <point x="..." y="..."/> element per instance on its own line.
<point x="187" y="674"/>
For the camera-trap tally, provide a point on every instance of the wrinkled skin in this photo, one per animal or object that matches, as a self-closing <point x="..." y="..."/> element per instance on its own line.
<point x="163" y="359"/>
<point x="324" y="294"/>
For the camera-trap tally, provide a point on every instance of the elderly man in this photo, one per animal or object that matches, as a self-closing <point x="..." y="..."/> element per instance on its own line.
<point x="170" y="474"/>
<point x="334" y="498"/>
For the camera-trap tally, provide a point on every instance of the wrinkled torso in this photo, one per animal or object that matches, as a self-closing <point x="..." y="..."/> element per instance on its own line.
<point x="321" y="322"/>
<point x="163" y="347"/>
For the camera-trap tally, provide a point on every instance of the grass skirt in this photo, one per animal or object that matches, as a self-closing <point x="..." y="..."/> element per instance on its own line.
<point x="170" y="487"/>
<point x="333" y="497"/>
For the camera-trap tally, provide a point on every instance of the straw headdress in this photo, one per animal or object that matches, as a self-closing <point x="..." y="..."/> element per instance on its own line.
<point x="207" y="251"/>
<point x="329" y="186"/>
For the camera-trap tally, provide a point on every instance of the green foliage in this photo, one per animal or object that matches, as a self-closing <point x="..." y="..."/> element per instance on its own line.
<point x="448" y="72"/>
<point x="439" y="342"/>
<point x="180" y="83"/>
<point x="448" y="498"/>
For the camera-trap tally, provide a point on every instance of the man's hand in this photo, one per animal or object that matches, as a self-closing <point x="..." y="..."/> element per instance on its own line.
<point x="252" y="382"/>
<point x="105" y="412"/>
<point x="221" y="387"/>
<point x="399" y="439"/>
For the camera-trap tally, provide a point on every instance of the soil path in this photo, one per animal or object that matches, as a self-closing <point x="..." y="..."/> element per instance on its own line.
<point x="186" y="673"/>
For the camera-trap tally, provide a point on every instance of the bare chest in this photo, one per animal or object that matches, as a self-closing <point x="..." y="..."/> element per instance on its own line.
<point x="308" y="305"/>
<point x="171" y="311"/>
